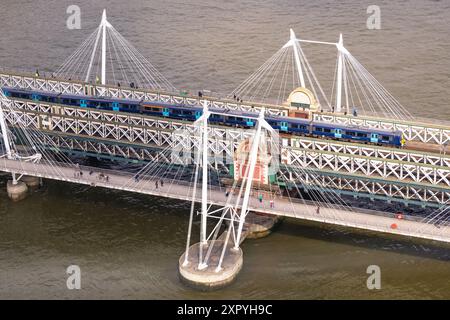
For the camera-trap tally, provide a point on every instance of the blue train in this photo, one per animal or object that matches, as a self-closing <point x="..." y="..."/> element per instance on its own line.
<point x="287" y="125"/>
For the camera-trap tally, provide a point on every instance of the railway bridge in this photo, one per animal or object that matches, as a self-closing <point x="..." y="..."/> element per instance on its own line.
<point x="235" y="175"/>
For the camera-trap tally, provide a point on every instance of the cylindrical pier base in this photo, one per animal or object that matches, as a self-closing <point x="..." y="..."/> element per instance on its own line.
<point x="18" y="191"/>
<point x="31" y="182"/>
<point x="259" y="225"/>
<point x="210" y="278"/>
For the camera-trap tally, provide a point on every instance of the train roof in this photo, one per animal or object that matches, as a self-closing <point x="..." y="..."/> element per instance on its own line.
<point x="48" y="93"/>
<point x="354" y="127"/>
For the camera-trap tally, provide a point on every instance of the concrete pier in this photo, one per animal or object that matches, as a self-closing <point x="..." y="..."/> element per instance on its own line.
<point x="210" y="277"/>
<point x="31" y="182"/>
<point x="260" y="225"/>
<point x="17" y="191"/>
<point x="257" y="225"/>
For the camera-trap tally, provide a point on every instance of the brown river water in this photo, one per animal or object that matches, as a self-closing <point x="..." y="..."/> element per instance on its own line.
<point x="128" y="245"/>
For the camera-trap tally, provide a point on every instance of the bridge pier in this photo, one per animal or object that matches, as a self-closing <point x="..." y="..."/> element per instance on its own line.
<point x="17" y="190"/>
<point x="31" y="181"/>
<point x="260" y="225"/>
<point x="210" y="277"/>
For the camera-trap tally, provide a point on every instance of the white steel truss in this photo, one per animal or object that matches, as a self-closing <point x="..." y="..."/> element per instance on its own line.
<point x="412" y="131"/>
<point x="433" y="159"/>
<point x="72" y="87"/>
<point x="367" y="166"/>
<point x="143" y="132"/>
<point x="372" y="188"/>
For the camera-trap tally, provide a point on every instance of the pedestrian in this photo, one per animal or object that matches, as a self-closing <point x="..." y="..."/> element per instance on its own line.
<point x="162" y="183"/>
<point x="107" y="178"/>
<point x="91" y="172"/>
<point x="272" y="204"/>
<point x="227" y="193"/>
<point x="156" y="184"/>
<point x="260" y="197"/>
<point x="318" y="210"/>
<point x="81" y="173"/>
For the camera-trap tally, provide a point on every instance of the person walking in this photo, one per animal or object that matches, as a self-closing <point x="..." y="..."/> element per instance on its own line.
<point x="272" y="205"/>
<point x="162" y="183"/>
<point x="156" y="184"/>
<point x="260" y="198"/>
<point x="318" y="210"/>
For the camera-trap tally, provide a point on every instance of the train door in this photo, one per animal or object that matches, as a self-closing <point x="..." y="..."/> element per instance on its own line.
<point x="374" y="137"/>
<point x="283" y="126"/>
<point x="338" y="133"/>
<point x="165" y="112"/>
<point x="198" y="114"/>
<point x="115" y="106"/>
<point x="249" y="122"/>
<point x="83" y="103"/>
<point x="35" y="97"/>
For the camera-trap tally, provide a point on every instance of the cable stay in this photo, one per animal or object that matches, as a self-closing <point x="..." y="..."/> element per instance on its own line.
<point x="107" y="58"/>
<point x="354" y="90"/>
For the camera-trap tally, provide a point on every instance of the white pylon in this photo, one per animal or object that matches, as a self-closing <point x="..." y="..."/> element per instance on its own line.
<point x="249" y="178"/>
<point x="104" y="22"/>
<point x="339" y="46"/>
<point x="101" y="32"/>
<point x="204" y="213"/>
<point x="204" y="171"/>
<point x="293" y="41"/>
<point x="4" y="128"/>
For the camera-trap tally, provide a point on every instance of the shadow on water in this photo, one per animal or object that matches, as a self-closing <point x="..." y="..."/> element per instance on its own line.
<point x="364" y="239"/>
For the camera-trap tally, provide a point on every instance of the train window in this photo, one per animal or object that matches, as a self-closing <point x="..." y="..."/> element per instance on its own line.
<point x="319" y="129"/>
<point x="361" y="134"/>
<point x="326" y="130"/>
<point x="351" y="133"/>
<point x="386" y="138"/>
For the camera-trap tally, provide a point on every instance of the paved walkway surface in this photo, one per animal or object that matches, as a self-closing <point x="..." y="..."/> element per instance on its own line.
<point x="182" y="190"/>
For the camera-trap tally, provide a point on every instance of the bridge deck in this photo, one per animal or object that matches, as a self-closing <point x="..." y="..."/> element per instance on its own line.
<point x="355" y="218"/>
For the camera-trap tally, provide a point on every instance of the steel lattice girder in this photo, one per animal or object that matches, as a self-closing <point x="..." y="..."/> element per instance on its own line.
<point x="71" y="87"/>
<point x="359" y="186"/>
<point x="370" y="166"/>
<point x="223" y="141"/>
<point x="427" y="133"/>
<point x="369" y="151"/>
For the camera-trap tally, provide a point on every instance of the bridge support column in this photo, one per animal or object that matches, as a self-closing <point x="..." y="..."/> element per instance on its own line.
<point x="259" y="225"/>
<point x="210" y="277"/>
<point x="32" y="182"/>
<point x="17" y="190"/>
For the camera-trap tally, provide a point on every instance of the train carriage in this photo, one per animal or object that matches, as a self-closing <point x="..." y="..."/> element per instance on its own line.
<point x="296" y="126"/>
